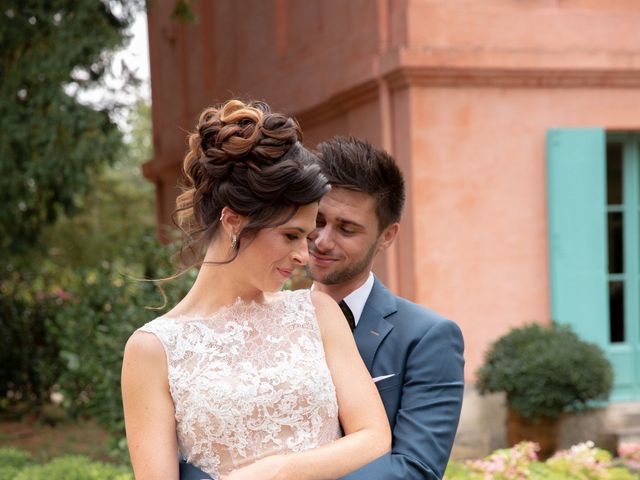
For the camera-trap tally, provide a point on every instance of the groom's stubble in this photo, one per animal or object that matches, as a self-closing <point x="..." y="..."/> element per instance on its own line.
<point x="348" y="272"/>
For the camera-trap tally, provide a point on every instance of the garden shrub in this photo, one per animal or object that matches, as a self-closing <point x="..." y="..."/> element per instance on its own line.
<point x="13" y="457"/>
<point x="17" y="464"/>
<point x="64" y="330"/>
<point x="545" y="371"/>
<point x="12" y="461"/>
<point x="8" y="473"/>
<point x="91" y="331"/>
<point x="29" y="356"/>
<point x="585" y="461"/>
<point x="580" y="462"/>
<point x="629" y="455"/>
<point x="74" y="468"/>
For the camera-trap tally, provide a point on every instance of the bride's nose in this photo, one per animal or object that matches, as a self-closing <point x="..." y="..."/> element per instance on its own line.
<point x="300" y="255"/>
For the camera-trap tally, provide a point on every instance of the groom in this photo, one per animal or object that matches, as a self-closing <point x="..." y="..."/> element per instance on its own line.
<point x="414" y="355"/>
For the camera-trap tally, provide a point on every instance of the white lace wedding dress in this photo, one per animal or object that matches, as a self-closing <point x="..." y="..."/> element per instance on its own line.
<point x="248" y="382"/>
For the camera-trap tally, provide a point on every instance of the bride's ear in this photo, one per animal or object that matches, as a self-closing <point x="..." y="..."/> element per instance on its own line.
<point x="232" y="223"/>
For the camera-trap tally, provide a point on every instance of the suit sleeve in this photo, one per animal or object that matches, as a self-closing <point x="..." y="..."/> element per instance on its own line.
<point x="189" y="472"/>
<point x="427" y="419"/>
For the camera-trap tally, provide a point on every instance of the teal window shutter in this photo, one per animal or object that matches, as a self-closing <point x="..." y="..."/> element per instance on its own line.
<point x="577" y="208"/>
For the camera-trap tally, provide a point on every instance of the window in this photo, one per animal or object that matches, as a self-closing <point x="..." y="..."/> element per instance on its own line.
<point x="594" y="243"/>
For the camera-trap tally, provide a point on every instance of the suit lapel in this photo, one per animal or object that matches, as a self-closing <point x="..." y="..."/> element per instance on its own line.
<point x="373" y="327"/>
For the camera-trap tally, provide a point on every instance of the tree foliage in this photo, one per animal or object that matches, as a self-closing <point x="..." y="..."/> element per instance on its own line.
<point x="51" y="143"/>
<point x="69" y="305"/>
<point x="116" y="219"/>
<point x="77" y="227"/>
<point x="111" y="237"/>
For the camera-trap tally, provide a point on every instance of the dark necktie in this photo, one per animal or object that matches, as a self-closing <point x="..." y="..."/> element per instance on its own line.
<point x="348" y="314"/>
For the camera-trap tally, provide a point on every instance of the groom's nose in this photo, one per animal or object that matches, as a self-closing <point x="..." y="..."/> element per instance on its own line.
<point x="323" y="239"/>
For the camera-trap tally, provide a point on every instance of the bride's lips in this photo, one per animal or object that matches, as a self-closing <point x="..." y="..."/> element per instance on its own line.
<point x="321" y="260"/>
<point x="285" y="272"/>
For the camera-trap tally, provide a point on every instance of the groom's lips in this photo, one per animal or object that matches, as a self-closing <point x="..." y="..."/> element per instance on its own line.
<point x="321" y="260"/>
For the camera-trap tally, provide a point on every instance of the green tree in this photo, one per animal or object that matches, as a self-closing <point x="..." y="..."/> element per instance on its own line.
<point x="67" y="308"/>
<point x="116" y="219"/>
<point x="51" y="143"/>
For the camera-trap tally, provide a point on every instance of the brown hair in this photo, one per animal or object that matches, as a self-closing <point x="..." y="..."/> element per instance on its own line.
<point x="244" y="157"/>
<point x="355" y="164"/>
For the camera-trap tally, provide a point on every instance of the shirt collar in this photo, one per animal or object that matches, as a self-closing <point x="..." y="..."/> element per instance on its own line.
<point x="356" y="299"/>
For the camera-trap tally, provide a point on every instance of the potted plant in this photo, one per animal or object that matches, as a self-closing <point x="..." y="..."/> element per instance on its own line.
<point x="544" y="371"/>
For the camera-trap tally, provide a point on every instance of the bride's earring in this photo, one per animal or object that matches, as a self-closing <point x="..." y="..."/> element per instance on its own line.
<point x="234" y="242"/>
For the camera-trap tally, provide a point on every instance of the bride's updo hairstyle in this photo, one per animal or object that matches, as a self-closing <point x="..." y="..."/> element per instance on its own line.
<point x="244" y="157"/>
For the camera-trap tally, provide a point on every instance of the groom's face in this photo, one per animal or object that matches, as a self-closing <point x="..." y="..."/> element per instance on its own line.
<point x="346" y="238"/>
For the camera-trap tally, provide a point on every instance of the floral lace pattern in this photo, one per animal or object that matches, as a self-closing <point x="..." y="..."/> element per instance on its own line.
<point x="248" y="382"/>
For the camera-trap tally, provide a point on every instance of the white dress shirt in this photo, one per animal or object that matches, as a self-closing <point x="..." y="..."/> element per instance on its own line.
<point x="356" y="299"/>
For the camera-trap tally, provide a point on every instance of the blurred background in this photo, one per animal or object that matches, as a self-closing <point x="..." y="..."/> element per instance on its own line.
<point x="515" y="122"/>
<point x="77" y="223"/>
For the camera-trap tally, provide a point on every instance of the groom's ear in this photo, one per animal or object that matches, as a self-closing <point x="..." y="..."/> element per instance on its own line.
<point x="388" y="236"/>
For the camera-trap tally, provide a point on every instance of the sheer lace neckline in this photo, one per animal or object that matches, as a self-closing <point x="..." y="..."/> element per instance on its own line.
<point x="276" y="302"/>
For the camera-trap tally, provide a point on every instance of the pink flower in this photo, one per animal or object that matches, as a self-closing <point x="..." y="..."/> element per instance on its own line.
<point x="629" y="453"/>
<point x="62" y="295"/>
<point x="512" y="463"/>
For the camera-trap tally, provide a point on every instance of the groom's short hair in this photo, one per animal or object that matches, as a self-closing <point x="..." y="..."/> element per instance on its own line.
<point x="356" y="165"/>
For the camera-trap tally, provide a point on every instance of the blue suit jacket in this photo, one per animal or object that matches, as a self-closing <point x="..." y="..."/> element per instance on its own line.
<point x="423" y="398"/>
<point x="424" y="353"/>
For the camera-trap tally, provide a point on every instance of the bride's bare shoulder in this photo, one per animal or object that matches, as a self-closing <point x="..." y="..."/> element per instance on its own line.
<point x="143" y="346"/>
<point x="330" y="317"/>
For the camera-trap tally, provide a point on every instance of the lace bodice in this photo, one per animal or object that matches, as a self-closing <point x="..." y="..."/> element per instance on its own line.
<point x="248" y="382"/>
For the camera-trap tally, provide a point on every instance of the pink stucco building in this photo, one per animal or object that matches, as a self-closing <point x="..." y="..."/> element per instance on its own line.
<point x="480" y="102"/>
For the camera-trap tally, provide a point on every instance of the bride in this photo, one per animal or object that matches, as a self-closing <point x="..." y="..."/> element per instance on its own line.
<point x="243" y="380"/>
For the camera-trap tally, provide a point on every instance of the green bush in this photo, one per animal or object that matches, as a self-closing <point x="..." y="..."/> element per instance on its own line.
<point x="64" y="330"/>
<point x="12" y="461"/>
<point x="74" y="468"/>
<point x="13" y="457"/>
<point x="91" y="332"/>
<point x="29" y="363"/>
<point x="69" y="303"/>
<point x="17" y="465"/>
<point x="111" y="234"/>
<point x="580" y="462"/>
<point x="545" y="370"/>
